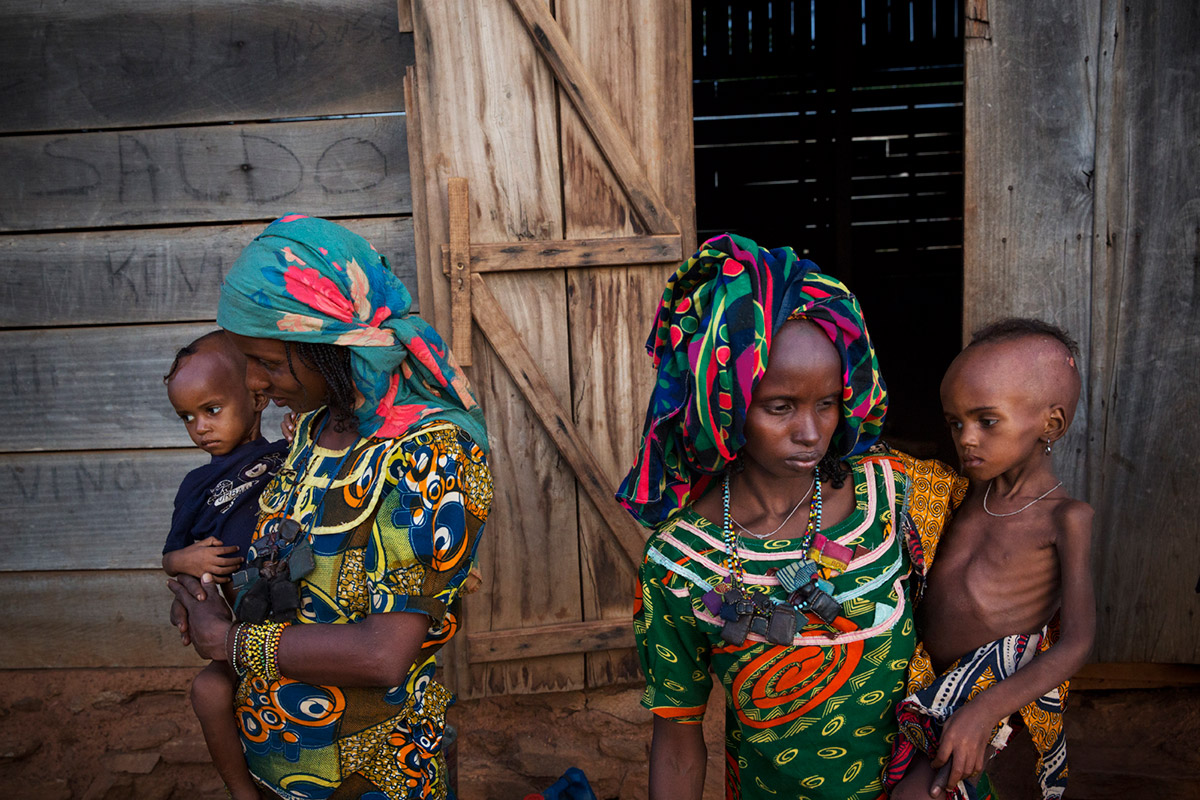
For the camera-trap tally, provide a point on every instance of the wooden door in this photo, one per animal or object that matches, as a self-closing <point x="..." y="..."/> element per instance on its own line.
<point x="571" y="134"/>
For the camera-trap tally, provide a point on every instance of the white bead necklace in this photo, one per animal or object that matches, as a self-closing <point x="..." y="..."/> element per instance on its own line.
<point x="785" y="519"/>
<point x="1019" y="510"/>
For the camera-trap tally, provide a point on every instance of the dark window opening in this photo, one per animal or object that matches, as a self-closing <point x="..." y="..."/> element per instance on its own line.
<point x="836" y="127"/>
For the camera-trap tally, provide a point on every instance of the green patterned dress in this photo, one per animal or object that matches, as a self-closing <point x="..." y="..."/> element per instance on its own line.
<point x="811" y="720"/>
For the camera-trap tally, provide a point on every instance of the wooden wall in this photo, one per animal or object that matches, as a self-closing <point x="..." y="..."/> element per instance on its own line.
<point x="143" y="144"/>
<point x="1083" y="207"/>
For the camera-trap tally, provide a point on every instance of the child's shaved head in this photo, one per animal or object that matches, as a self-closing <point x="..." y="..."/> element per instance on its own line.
<point x="211" y="342"/>
<point x="1038" y="356"/>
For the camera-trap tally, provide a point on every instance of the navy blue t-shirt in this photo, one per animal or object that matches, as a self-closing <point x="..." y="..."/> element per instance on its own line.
<point x="221" y="498"/>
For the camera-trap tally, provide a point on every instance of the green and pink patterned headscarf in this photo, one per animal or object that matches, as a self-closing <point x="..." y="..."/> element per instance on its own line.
<point x="305" y="279"/>
<point x="710" y="343"/>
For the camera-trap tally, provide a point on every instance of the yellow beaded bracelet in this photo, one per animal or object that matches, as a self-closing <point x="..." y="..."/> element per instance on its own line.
<point x="257" y="648"/>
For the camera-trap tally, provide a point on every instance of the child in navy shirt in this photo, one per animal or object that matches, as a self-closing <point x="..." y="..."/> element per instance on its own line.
<point x="216" y="510"/>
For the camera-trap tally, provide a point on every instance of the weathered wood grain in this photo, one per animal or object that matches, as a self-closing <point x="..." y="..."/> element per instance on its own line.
<point x="1029" y="156"/>
<point x="1082" y="207"/>
<point x="90" y="510"/>
<point x="1117" y="675"/>
<point x="404" y="21"/>
<point x="506" y="341"/>
<point x="459" y="274"/>
<point x="572" y="253"/>
<point x="1143" y="448"/>
<point x="549" y="640"/>
<point x="576" y="83"/>
<point x="94" y="388"/>
<point x="646" y="82"/>
<point x="530" y="556"/>
<point x="487" y="114"/>
<point x="112" y="618"/>
<point x="483" y="117"/>
<point x="227" y="173"/>
<point x="156" y="275"/>
<point x="122" y="63"/>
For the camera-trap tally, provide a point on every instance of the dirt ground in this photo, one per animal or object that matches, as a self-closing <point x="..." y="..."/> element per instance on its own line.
<point x="122" y="734"/>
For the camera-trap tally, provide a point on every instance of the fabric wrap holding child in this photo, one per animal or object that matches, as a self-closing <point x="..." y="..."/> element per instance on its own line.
<point x="811" y="717"/>
<point x="710" y="342"/>
<point x="393" y="521"/>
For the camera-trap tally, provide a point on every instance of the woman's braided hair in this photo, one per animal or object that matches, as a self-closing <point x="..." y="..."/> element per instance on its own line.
<point x="332" y="362"/>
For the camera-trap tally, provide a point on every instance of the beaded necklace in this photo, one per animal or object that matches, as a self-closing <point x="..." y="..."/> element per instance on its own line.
<point x="734" y="564"/>
<point x="786" y="519"/>
<point x="751" y="611"/>
<point x="267" y="588"/>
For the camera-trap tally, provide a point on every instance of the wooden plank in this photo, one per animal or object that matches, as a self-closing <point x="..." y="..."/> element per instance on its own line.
<point x="93" y="388"/>
<point x="425" y="277"/>
<point x="508" y="343"/>
<point x="571" y="253"/>
<point x="1107" y="675"/>
<point x="114" y="618"/>
<point x="1028" y="202"/>
<point x="90" y="510"/>
<point x="487" y="114"/>
<point x="122" y="63"/>
<point x="550" y="640"/>
<point x="155" y="275"/>
<point x="1143" y="432"/>
<point x="530" y="556"/>
<point x="577" y="84"/>
<point x="460" y="270"/>
<point x="646" y="81"/>
<point x="977" y="25"/>
<point x="343" y="167"/>
<point x="404" y="21"/>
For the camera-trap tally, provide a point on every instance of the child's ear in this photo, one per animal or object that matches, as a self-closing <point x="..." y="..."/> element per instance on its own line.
<point x="1056" y="423"/>
<point x="260" y="401"/>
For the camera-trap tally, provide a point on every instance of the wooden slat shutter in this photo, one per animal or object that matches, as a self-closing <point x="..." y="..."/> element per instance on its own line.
<point x="573" y="134"/>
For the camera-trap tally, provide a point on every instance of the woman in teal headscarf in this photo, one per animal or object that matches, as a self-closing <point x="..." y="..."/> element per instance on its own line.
<point x="366" y="535"/>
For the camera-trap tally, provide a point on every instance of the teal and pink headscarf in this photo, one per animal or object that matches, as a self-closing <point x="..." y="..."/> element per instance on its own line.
<point x="710" y="343"/>
<point x="305" y="279"/>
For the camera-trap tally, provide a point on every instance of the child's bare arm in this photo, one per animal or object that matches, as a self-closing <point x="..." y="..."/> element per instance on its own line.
<point x="678" y="758"/>
<point x="207" y="555"/>
<point x="967" y="733"/>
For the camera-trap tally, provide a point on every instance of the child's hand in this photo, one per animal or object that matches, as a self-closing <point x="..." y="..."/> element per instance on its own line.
<point x="207" y="555"/>
<point x="964" y="746"/>
<point x="289" y="426"/>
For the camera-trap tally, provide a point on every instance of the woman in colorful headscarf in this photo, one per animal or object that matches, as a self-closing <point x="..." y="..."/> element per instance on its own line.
<point x="366" y="535"/>
<point x="775" y="563"/>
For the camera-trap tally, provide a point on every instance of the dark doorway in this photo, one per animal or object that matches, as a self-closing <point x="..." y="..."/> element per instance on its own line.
<point x="836" y="127"/>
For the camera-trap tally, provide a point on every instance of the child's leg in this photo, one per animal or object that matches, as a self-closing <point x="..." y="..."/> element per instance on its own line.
<point x="212" y="700"/>
<point x="917" y="780"/>
<point x="920" y="776"/>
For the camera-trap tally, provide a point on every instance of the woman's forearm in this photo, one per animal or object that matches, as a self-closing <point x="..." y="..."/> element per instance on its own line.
<point x="678" y="758"/>
<point x="379" y="651"/>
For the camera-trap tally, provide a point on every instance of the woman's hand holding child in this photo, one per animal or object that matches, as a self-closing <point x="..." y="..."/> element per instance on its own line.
<point x="207" y="617"/>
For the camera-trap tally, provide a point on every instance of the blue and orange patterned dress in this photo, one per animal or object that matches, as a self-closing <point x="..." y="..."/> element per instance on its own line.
<point x="394" y="527"/>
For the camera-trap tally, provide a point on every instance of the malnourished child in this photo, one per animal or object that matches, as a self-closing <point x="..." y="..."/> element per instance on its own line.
<point x="1010" y="574"/>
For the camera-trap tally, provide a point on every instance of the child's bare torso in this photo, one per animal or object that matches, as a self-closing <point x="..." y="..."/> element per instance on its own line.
<point x="992" y="577"/>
